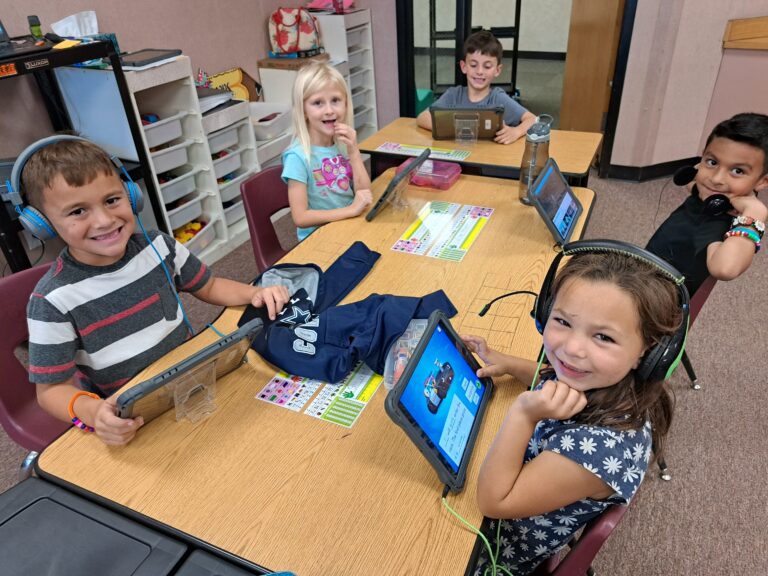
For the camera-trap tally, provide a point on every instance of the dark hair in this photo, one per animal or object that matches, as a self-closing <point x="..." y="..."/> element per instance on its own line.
<point x="77" y="161"/>
<point x="631" y="402"/>
<point x="748" y="128"/>
<point x="484" y="42"/>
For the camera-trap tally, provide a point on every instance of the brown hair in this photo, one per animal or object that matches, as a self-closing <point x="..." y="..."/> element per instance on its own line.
<point x="484" y="42"/>
<point x="79" y="162"/>
<point x="631" y="402"/>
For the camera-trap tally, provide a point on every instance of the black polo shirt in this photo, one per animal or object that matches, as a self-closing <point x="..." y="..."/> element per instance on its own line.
<point x="682" y="240"/>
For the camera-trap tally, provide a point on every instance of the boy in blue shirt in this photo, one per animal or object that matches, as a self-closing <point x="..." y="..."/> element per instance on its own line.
<point x="481" y="64"/>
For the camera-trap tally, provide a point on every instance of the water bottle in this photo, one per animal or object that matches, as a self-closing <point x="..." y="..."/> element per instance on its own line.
<point x="535" y="155"/>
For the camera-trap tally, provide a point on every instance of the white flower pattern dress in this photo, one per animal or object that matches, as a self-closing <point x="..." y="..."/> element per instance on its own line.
<point x="620" y="459"/>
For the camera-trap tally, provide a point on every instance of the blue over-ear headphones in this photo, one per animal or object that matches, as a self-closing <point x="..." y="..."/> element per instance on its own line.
<point x="32" y="219"/>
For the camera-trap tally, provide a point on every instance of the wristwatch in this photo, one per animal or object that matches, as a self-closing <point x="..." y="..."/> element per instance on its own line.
<point x="749" y="221"/>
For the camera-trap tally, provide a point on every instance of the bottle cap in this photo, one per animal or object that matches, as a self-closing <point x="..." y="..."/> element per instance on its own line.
<point x="539" y="131"/>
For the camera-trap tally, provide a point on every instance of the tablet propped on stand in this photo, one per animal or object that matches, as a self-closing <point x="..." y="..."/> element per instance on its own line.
<point x="439" y="401"/>
<point x="489" y="121"/>
<point x="155" y="396"/>
<point x="555" y="202"/>
<point x="397" y="184"/>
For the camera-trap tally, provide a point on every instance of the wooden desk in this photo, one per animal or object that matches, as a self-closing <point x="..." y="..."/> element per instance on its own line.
<point x="573" y="151"/>
<point x="288" y="491"/>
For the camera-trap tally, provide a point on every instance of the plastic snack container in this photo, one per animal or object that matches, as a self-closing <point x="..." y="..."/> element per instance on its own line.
<point x="434" y="174"/>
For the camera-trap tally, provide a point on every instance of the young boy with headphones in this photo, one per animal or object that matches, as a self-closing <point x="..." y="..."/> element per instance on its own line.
<point x="108" y="306"/>
<point x="719" y="228"/>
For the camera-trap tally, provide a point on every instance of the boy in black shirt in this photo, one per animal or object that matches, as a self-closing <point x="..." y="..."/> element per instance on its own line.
<point x="701" y="243"/>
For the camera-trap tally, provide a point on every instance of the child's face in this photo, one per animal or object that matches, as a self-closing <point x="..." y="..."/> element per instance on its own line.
<point x="94" y="220"/>
<point x="592" y="336"/>
<point x="322" y="110"/>
<point x="731" y="168"/>
<point x="480" y="70"/>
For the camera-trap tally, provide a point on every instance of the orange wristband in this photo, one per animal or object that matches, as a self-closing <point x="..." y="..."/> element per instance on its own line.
<point x="71" y="409"/>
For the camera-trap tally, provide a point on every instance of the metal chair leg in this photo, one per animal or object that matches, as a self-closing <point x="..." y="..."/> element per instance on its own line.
<point x="27" y="466"/>
<point x="689" y="370"/>
<point x="664" y="472"/>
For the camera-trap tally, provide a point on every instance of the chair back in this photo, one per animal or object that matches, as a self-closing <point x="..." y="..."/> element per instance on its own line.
<point x="699" y="297"/>
<point x="263" y="194"/>
<point x="20" y="415"/>
<point x="578" y="560"/>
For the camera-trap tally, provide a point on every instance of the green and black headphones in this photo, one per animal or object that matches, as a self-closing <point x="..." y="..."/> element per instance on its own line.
<point x="662" y="359"/>
<point x="32" y="219"/>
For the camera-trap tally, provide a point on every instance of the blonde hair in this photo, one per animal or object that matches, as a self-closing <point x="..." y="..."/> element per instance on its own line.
<point x="312" y="78"/>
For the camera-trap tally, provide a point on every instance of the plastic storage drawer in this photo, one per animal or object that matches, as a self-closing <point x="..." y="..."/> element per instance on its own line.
<point x="359" y="98"/>
<point x="273" y="149"/>
<point x="185" y="213"/>
<point x="227" y="164"/>
<point x="171" y="157"/>
<point x="355" y="36"/>
<point x="164" y="130"/>
<point x="357" y="58"/>
<point x="202" y="239"/>
<point x="231" y="189"/>
<point x="234" y="213"/>
<point x="223" y="139"/>
<point x="269" y="129"/>
<point x="178" y="187"/>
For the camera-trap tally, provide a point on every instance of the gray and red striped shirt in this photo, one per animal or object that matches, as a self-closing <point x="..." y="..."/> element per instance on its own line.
<point x="107" y="323"/>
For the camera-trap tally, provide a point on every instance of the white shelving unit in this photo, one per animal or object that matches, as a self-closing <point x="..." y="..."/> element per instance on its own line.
<point x="349" y="43"/>
<point x="180" y="145"/>
<point x="349" y="38"/>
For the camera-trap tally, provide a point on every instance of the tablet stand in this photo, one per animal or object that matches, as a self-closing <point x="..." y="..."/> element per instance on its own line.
<point x="194" y="393"/>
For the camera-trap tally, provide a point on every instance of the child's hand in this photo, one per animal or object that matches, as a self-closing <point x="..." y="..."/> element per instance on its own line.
<point x="494" y="361"/>
<point x="554" y="400"/>
<point x="110" y="428"/>
<point x="749" y="206"/>
<point x="363" y="199"/>
<point x="507" y="134"/>
<point x="273" y="297"/>
<point x="346" y="135"/>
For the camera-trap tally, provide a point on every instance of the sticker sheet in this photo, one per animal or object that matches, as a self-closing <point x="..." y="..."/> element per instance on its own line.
<point x="444" y="230"/>
<point x="435" y="153"/>
<point x="340" y="403"/>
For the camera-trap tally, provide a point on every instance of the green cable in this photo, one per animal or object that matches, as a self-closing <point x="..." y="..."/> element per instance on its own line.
<point x="487" y="544"/>
<point x="538" y="369"/>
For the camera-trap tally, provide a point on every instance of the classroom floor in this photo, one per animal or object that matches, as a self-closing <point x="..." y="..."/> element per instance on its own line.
<point x="540" y="81"/>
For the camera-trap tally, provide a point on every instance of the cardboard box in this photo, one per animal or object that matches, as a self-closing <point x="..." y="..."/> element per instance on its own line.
<point x="237" y="80"/>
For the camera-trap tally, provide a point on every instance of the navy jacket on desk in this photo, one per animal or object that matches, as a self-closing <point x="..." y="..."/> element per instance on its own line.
<point x="313" y="337"/>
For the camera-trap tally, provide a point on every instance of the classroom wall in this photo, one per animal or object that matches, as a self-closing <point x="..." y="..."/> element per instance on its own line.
<point x="543" y="24"/>
<point x="215" y="34"/>
<point x="672" y="70"/>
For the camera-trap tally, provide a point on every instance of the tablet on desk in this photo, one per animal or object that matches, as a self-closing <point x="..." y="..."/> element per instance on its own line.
<point x="489" y="121"/>
<point x="152" y="397"/>
<point x="397" y="184"/>
<point x="555" y="202"/>
<point x="439" y="401"/>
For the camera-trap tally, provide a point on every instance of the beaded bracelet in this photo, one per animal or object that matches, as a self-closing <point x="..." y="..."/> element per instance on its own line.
<point x="757" y="225"/>
<point x="71" y="409"/>
<point x="745" y="233"/>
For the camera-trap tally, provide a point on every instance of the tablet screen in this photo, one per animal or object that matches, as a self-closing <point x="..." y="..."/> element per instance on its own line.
<point x="443" y="396"/>
<point x="557" y="200"/>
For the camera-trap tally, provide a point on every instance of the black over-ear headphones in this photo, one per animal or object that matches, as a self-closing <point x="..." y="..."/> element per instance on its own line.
<point x="659" y="362"/>
<point x="35" y="221"/>
<point x="713" y="205"/>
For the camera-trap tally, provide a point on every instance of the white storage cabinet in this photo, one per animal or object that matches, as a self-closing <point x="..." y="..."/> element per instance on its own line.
<point x="180" y="146"/>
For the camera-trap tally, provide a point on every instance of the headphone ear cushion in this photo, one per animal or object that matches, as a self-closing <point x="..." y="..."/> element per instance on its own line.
<point x="34" y="222"/>
<point x="135" y="196"/>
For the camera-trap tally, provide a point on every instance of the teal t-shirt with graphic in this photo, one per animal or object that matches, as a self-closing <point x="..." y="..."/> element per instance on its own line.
<point x="328" y="178"/>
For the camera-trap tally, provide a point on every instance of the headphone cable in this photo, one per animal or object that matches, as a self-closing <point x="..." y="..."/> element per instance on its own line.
<point x="495" y="568"/>
<point x="487" y="307"/>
